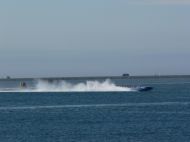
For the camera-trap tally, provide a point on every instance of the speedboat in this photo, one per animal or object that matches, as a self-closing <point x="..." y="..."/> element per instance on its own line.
<point x="138" y="88"/>
<point x="143" y="88"/>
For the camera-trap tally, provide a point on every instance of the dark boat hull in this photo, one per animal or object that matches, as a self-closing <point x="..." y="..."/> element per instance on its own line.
<point x="138" y="88"/>
<point x="144" y="89"/>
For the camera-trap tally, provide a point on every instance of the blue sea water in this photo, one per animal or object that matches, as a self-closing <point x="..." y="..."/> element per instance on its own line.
<point x="160" y="115"/>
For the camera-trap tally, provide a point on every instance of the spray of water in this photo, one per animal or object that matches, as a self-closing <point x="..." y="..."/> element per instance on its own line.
<point x="64" y="86"/>
<point x="88" y="86"/>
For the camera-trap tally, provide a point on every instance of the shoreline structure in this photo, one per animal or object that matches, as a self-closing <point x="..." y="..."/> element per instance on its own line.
<point x="97" y="77"/>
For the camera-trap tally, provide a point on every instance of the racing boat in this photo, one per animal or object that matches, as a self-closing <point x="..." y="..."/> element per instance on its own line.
<point x="143" y="88"/>
<point x="138" y="88"/>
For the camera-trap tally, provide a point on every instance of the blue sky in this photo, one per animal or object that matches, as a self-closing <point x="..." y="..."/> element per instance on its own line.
<point x="94" y="37"/>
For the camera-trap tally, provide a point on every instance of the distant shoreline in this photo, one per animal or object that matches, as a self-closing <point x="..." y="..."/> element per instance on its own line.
<point x="98" y="77"/>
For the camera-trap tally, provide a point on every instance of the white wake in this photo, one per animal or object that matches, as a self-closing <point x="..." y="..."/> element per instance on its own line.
<point x="64" y="86"/>
<point x="88" y="86"/>
<point x="144" y="104"/>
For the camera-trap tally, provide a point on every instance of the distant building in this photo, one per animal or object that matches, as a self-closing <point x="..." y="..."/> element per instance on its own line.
<point x="8" y="77"/>
<point x="125" y="75"/>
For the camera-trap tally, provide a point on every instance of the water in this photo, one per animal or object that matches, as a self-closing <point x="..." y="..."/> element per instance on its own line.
<point x="117" y="116"/>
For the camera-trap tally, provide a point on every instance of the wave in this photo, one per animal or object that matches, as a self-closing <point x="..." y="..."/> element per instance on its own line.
<point x="63" y="86"/>
<point x="144" y="104"/>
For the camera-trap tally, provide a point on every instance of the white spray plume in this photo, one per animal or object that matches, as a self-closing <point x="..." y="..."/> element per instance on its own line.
<point x="88" y="86"/>
<point x="63" y="86"/>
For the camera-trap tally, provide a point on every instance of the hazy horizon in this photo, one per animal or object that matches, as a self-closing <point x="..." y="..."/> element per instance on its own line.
<point x="92" y="38"/>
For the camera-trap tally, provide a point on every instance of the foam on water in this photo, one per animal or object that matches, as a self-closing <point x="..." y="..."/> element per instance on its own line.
<point x="63" y="86"/>
<point x="95" y="105"/>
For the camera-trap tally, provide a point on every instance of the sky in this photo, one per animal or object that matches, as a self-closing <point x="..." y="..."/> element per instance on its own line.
<point x="94" y="37"/>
